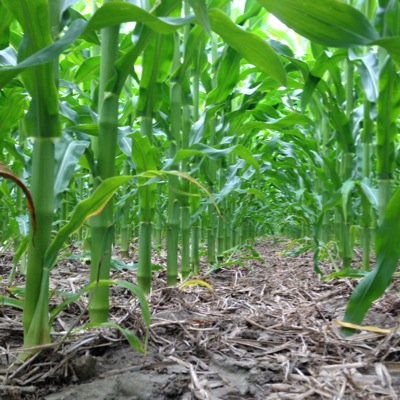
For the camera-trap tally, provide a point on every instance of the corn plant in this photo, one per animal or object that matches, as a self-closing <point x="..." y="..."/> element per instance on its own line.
<point x="196" y="98"/>
<point x="340" y="25"/>
<point x="43" y="121"/>
<point x="37" y="57"/>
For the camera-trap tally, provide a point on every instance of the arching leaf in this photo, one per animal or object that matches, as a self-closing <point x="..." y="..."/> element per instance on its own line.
<point x="392" y="46"/>
<point x="250" y="46"/>
<point x="86" y="209"/>
<point x="44" y="56"/>
<point x="328" y="22"/>
<point x="387" y="257"/>
<point x="7" y="174"/>
<point x="200" y="10"/>
<point x="118" y="12"/>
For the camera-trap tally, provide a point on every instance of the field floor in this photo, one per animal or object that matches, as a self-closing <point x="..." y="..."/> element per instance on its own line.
<point x="266" y="331"/>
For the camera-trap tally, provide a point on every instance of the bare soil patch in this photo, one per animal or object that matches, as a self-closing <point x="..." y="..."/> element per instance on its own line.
<point x="265" y="331"/>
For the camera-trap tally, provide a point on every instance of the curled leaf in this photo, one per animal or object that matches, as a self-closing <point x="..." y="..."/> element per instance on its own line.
<point x="6" y="173"/>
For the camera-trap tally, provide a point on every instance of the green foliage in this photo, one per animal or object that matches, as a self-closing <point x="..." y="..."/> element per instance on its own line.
<point x="117" y="12"/>
<point x="296" y="247"/>
<point x="328" y="22"/>
<point x="238" y="256"/>
<point x="43" y="56"/>
<point x="388" y="112"/>
<point x="387" y="256"/>
<point x="282" y="136"/>
<point x="68" y="154"/>
<point x="249" y="45"/>
<point x="84" y="210"/>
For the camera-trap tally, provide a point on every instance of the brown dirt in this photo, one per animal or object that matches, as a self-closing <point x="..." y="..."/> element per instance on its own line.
<point x="266" y="331"/>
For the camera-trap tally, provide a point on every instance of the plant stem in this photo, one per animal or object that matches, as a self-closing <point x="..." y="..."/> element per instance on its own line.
<point x="103" y="224"/>
<point x="41" y="82"/>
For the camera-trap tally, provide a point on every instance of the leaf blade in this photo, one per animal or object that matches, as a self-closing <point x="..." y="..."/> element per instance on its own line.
<point x="327" y="22"/>
<point x="387" y="256"/>
<point x="83" y="211"/>
<point x="118" y="12"/>
<point x="248" y="45"/>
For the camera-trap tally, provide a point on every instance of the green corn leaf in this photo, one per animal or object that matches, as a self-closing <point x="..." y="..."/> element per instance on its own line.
<point x="125" y="142"/>
<point x="368" y="71"/>
<point x="125" y="62"/>
<point x="260" y="195"/>
<point x="370" y="193"/>
<point x="388" y="113"/>
<point x="228" y="75"/>
<point x="250" y="46"/>
<point x="13" y="104"/>
<point x="323" y="63"/>
<point x="144" y="306"/>
<point x="68" y="154"/>
<point x="389" y="10"/>
<point x="144" y="156"/>
<point x="118" y="12"/>
<point x="153" y="73"/>
<point x="352" y="273"/>
<point x="44" y="56"/>
<point x="196" y="40"/>
<point x="328" y="22"/>
<point x="88" y="70"/>
<point x="36" y="36"/>
<point x="66" y="4"/>
<point x="161" y="174"/>
<point x="387" y="256"/>
<point x="144" y="153"/>
<point x="245" y="154"/>
<point x="165" y="58"/>
<point x="309" y="89"/>
<point x="330" y="166"/>
<point x="230" y="186"/>
<point x="184" y="154"/>
<point x="132" y="339"/>
<point x="90" y="37"/>
<point x="212" y="153"/>
<point x="135" y="290"/>
<point x="10" y="302"/>
<point x="109" y="14"/>
<point x="6" y="18"/>
<point x="69" y="299"/>
<point x="200" y="10"/>
<point x="219" y="3"/>
<point x="89" y="129"/>
<point x="284" y="50"/>
<point x="286" y="122"/>
<point x="120" y="265"/>
<point x="19" y="252"/>
<point x="68" y="113"/>
<point x="392" y="46"/>
<point x="252" y="9"/>
<point x="86" y="209"/>
<point x="346" y="190"/>
<point x="342" y="126"/>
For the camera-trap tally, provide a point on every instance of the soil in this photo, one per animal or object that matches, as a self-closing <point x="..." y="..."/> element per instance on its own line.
<point x="265" y="329"/>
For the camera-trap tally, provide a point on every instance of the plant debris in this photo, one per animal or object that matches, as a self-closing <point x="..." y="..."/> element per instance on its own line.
<point x="266" y="331"/>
